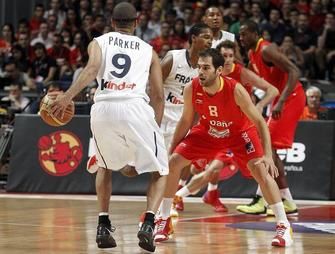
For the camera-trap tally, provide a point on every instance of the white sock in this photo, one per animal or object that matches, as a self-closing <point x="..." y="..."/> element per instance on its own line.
<point x="212" y="187"/>
<point x="103" y="213"/>
<point x="286" y="194"/>
<point x="165" y="208"/>
<point x="182" y="182"/>
<point x="259" y="191"/>
<point x="183" y="192"/>
<point x="279" y="211"/>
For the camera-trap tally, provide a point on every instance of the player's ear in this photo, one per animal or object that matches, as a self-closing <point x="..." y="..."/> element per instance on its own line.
<point x="219" y="70"/>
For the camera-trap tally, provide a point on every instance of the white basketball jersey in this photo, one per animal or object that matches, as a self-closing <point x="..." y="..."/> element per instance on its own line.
<point x="224" y="36"/>
<point x="181" y="73"/>
<point x="124" y="71"/>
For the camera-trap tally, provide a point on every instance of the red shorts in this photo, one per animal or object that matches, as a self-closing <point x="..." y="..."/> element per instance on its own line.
<point x="199" y="145"/>
<point x="282" y="130"/>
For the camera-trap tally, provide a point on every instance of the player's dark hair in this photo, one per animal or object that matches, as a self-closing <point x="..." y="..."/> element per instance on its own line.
<point x="124" y="14"/>
<point x="226" y="44"/>
<point x="217" y="58"/>
<point x="251" y="26"/>
<point x="195" y="30"/>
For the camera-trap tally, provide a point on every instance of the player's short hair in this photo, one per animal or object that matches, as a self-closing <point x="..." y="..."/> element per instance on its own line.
<point x="124" y="14"/>
<point x="251" y="26"/>
<point x="217" y="58"/>
<point x="195" y="30"/>
<point x="226" y="44"/>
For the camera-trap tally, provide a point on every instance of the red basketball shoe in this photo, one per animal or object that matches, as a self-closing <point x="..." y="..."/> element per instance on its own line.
<point x="212" y="198"/>
<point x="283" y="237"/>
<point x="164" y="229"/>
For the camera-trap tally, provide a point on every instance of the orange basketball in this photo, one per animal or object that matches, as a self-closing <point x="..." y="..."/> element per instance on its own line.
<point x="53" y="120"/>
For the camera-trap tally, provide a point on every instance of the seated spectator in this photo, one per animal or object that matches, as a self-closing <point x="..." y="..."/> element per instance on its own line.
<point x="23" y="28"/>
<point x="292" y="52"/>
<point x="155" y="20"/>
<point x="276" y="29"/>
<point x="23" y="41"/>
<point x="18" y="102"/>
<point x="15" y="76"/>
<point x="72" y="21"/>
<point x="43" y="36"/>
<point x="36" y="20"/>
<point x="179" y="33"/>
<point x="55" y="9"/>
<point x="164" y="38"/>
<point x="6" y="40"/>
<point x="20" y="58"/>
<point x="78" y="49"/>
<point x="143" y="31"/>
<point x="98" y="25"/>
<point x="313" y="108"/>
<point x="43" y="67"/>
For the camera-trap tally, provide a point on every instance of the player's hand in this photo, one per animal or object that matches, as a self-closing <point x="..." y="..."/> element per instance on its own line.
<point x="59" y="103"/>
<point x="269" y="166"/>
<point x="277" y="111"/>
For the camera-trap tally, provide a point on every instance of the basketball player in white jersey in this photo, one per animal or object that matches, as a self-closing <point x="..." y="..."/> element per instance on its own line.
<point x="124" y="126"/>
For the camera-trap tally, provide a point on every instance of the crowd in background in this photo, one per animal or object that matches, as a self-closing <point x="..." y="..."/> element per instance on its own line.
<point x="51" y="45"/>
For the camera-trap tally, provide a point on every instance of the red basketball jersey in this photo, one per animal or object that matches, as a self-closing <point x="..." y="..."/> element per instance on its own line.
<point x="236" y="74"/>
<point x="272" y="74"/>
<point x="219" y="114"/>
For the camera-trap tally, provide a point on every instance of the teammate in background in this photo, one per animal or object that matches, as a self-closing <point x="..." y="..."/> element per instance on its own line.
<point x="246" y="78"/>
<point x="227" y="121"/>
<point x="179" y="68"/>
<point x="214" y="19"/>
<point x="271" y="65"/>
<point x="124" y="126"/>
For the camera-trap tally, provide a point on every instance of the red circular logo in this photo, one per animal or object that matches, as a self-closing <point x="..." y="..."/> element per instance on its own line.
<point x="60" y="153"/>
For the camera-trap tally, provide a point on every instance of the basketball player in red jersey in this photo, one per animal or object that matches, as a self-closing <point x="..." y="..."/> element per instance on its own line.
<point x="248" y="79"/>
<point x="278" y="70"/>
<point x="224" y="108"/>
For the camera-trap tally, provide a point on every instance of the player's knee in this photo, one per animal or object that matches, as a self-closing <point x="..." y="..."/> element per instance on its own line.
<point x="259" y="172"/>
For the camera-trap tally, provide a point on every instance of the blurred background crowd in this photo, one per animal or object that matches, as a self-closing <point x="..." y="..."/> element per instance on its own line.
<point x="48" y="49"/>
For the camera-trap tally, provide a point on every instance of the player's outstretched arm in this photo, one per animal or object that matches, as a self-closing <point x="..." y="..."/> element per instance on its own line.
<point x="156" y="91"/>
<point x="88" y="74"/>
<point x="186" y="120"/>
<point x="271" y="92"/>
<point x="243" y="100"/>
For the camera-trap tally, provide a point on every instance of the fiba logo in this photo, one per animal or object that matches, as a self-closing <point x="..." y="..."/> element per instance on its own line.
<point x="60" y="153"/>
<point x="294" y="155"/>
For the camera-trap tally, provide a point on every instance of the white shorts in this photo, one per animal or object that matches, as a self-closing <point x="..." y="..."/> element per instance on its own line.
<point x="169" y="123"/>
<point x="125" y="132"/>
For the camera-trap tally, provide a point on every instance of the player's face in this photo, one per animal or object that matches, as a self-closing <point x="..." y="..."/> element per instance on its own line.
<point x="229" y="57"/>
<point x="213" y="18"/>
<point x="207" y="72"/>
<point x="247" y="38"/>
<point x="204" y="39"/>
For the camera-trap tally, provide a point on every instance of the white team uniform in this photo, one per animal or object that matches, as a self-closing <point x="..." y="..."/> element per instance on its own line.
<point x="224" y="36"/>
<point x="122" y="122"/>
<point x="181" y="73"/>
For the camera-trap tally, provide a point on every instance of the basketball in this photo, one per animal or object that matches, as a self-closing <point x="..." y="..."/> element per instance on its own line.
<point x="53" y="120"/>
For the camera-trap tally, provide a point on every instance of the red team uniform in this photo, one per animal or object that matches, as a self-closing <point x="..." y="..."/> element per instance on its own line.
<point x="222" y="126"/>
<point x="282" y="130"/>
<point x="236" y="74"/>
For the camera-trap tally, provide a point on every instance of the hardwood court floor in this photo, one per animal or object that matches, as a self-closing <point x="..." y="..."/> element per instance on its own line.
<point x="67" y="224"/>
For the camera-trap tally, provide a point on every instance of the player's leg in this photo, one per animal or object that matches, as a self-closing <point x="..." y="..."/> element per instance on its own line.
<point x="103" y="183"/>
<point x="178" y="203"/>
<point x="164" y="224"/>
<point x="212" y="195"/>
<point x="271" y="194"/>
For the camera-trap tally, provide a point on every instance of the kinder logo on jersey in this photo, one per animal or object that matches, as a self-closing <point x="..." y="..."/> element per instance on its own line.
<point x="117" y="87"/>
<point x="60" y="153"/>
<point x="173" y="99"/>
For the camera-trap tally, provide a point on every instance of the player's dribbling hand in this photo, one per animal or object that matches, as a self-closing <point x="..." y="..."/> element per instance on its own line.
<point x="58" y="106"/>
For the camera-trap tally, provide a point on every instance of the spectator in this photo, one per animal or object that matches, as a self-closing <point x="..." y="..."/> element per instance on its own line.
<point x="23" y="41"/>
<point x="20" y="58"/>
<point x="179" y="32"/>
<point x="142" y="30"/>
<point x="306" y="39"/>
<point x="52" y="24"/>
<point x="293" y="52"/>
<point x="23" y="28"/>
<point x="316" y="17"/>
<point x="313" y="108"/>
<point x="6" y="40"/>
<point x="88" y="25"/>
<point x="109" y="5"/>
<point x="57" y="12"/>
<point x="43" y="36"/>
<point x="234" y="12"/>
<point x="163" y="38"/>
<point x="155" y="20"/>
<point x="67" y="38"/>
<point x="98" y="25"/>
<point x="274" y="26"/>
<point x="36" y="20"/>
<point x="18" y="102"/>
<point x="325" y="55"/>
<point x="84" y="8"/>
<point x="286" y="8"/>
<point x="72" y="21"/>
<point x="78" y="49"/>
<point x="12" y="72"/>
<point x="97" y="8"/>
<point x="235" y="28"/>
<point x="188" y="17"/>
<point x="170" y="17"/>
<point x="256" y="13"/>
<point x="44" y="67"/>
